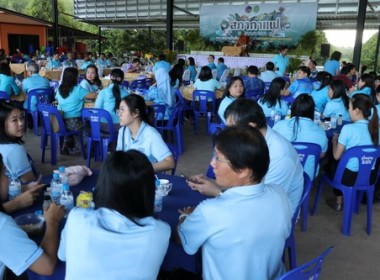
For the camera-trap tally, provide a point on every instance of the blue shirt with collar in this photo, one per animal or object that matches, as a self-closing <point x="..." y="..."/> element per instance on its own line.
<point x="86" y="64"/>
<point x="193" y="72"/>
<point x="268" y="76"/>
<point x="33" y="82"/>
<point x="332" y="66"/>
<point x="72" y="105"/>
<point x="281" y="62"/>
<point x="54" y="64"/>
<point x="101" y="62"/>
<point x="223" y="106"/>
<point x="365" y="90"/>
<point x="162" y="64"/>
<point x="335" y="107"/>
<point x="112" y="246"/>
<point x="211" y="65"/>
<point x="8" y="84"/>
<point x="320" y="97"/>
<point x="280" y="107"/>
<point x="15" y="159"/>
<point x="109" y="63"/>
<point x="246" y="223"/>
<point x="148" y="141"/>
<point x="86" y="85"/>
<point x="253" y="83"/>
<point x="220" y="67"/>
<point x="210" y="85"/>
<point x="69" y="63"/>
<point x="300" y="86"/>
<point x="307" y="131"/>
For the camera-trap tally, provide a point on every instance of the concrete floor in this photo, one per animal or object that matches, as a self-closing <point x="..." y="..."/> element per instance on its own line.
<point x="354" y="257"/>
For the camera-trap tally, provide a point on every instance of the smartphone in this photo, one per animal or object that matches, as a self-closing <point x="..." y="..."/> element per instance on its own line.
<point x="188" y="178"/>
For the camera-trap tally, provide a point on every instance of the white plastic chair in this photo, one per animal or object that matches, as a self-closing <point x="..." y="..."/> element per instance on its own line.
<point x="198" y="72"/>
<point x="214" y="73"/>
<point x="224" y="76"/>
<point x="186" y="75"/>
<point x="237" y="72"/>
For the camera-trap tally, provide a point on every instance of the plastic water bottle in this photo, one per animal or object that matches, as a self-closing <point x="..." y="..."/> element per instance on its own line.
<point x="67" y="199"/>
<point x="56" y="188"/>
<point x="333" y="121"/>
<point x="63" y="175"/>
<point x="317" y="117"/>
<point x="277" y="117"/>
<point x="289" y="114"/>
<point x="158" y="198"/>
<point x="272" y="115"/>
<point x="340" y="120"/>
<point x="14" y="188"/>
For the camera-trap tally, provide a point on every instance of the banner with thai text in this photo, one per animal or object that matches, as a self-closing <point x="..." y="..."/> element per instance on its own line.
<point x="276" y="24"/>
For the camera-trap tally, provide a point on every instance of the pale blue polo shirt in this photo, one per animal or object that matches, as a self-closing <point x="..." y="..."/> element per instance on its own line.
<point x="193" y="72"/>
<point x="162" y="64"/>
<point x="8" y="84"/>
<point x="103" y="244"/>
<point x="105" y="100"/>
<point x="332" y="66"/>
<point x="72" y="105"/>
<point x="320" y="98"/>
<point x="352" y="135"/>
<point x="148" y="141"/>
<point x="33" y="82"/>
<point x="15" y="159"/>
<point x="18" y="252"/>
<point x="335" y="107"/>
<point x="223" y="106"/>
<point x="86" y="85"/>
<point x="300" y="86"/>
<point x="308" y="132"/>
<point x="54" y="63"/>
<point x="365" y="90"/>
<point x="280" y="107"/>
<point x="211" y="65"/>
<point x="220" y="67"/>
<point x="242" y="233"/>
<point x="210" y="85"/>
<point x="281" y="62"/>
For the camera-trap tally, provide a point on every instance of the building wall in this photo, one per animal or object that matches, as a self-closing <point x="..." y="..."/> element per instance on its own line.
<point x="6" y="29"/>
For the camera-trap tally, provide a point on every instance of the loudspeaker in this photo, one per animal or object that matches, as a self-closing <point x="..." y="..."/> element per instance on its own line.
<point x="180" y="45"/>
<point x="325" y="50"/>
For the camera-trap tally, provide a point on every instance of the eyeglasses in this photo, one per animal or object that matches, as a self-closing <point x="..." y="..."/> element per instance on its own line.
<point x="120" y="111"/>
<point x="214" y="156"/>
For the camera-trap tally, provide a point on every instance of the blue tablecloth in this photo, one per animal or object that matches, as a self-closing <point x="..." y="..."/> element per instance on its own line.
<point x="180" y="196"/>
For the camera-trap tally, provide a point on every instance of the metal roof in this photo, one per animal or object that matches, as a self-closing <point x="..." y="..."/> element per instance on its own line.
<point x="134" y="14"/>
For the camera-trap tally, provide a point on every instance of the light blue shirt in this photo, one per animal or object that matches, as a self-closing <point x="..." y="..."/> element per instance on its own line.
<point x="281" y="62"/>
<point x="193" y="72"/>
<point x="148" y="141"/>
<point x="105" y="100"/>
<point x="268" y="76"/>
<point x="307" y="131"/>
<point x="210" y="85"/>
<point x="253" y="83"/>
<point x="352" y="135"/>
<point x="320" y="97"/>
<point x="332" y="66"/>
<point x="365" y="90"/>
<point x="69" y="63"/>
<point x="242" y="233"/>
<point x="8" y="84"/>
<point x="335" y="107"/>
<point x="18" y="252"/>
<point x="109" y="63"/>
<point x="285" y="168"/>
<point x="162" y="64"/>
<point x="15" y="159"/>
<point x="223" y="106"/>
<point x="220" y="67"/>
<point x="301" y="86"/>
<point x="280" y="107"/>
<point x="72" y="105"/>
<point x="86" y="64"/>
<point x="103" y="244"/>
<point x="211" y="65"/>
<point x="101" y="62"/>
<point x="33" y="82"/>
<point x="378" y="111"/>
<point x="86" y="85"/>
<point x="54" y="64"/>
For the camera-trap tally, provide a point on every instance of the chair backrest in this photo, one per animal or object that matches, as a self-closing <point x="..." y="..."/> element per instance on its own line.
<point x="173" y="150"/>
<point x="125" y="84"/>
<point x="95" y="117"/>
<point x="307" y="271"/>
<point x="42" y="95"/>
<point x="48" y="112"/>
<point x="308" y="150"/>
<point x="202" y="99"/>
<point x="4" y="95"/>
<point x="138" y="84"/>
<point x="198" y="72"/>
<point x="149" y="82"/>
<point x="224" y="76"/>
<point x="254" y="94"/>
<point x="186" y="75"/>
<point x="267" y="85"/>
<point x="214" y="73"/>
<point x="54" y="85"/>
<point x="366" y="156"/>
<point x="237" y="72"/>
<point x="159" y="113"/>
<point x="174" y="116"/>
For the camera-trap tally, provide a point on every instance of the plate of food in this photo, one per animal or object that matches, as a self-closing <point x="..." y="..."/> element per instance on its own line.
<point x="30" y="223"/>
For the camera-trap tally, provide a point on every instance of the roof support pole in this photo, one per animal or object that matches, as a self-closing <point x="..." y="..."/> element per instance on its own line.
<point x="99" y="40"/>
<point x="359" y="32"/>
<point x="377" y="49"/>
<point x="169" y="24"/>
<point x="149" y="38"/>
<point x="55" y="24"/>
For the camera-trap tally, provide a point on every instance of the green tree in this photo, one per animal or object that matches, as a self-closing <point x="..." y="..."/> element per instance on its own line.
<point x="368" y="53"/>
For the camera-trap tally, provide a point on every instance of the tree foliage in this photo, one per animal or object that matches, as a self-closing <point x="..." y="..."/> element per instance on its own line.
<point x="369" y="52"/>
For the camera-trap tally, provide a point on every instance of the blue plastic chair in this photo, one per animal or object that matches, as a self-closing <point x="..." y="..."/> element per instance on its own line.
<point x="53" y="86"/>
<point x="203" y="103"/>
<point x="4" y="96"/>
<point x="307" y="271"/>
<point x="267" y="85"/>
<point x="47" y="112"/>
<point x="185" y="105"/>
<point x="306" y="151"/>
<point x="148" y="82"/>
<point x="173" y="150"/>
<point x="97" y="139"/>
<point x="43" y="96"/>
<point x="141" y="84"/>
<point x="159" y="113"/>
<point x="125" y="85"/>
<point x="290" y="243"/>
<point x="367" y="157"/>
<point x="254" y="94"/>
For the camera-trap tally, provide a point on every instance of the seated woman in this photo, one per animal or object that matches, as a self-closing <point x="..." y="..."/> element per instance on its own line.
<point x="110" y="97"/>
<point x="162" y="92"/>
<point x="338" y="103"/>
<point x="92" y="82"/>
<point x="302" y="128"/>
<point x="70" y="98"/>
<point x="138" y="133"/>
<point x="205" y="80"/>
<point x="361" y="131"/>
<point x="271" y="101"/>
<point x="233" y="91"/>
<point x="365" y="85"/>
<point x="7" y="81"/>
<point x="320" y="95"/>
<point x="176" y="75"/>
<point x="191" y="67"/>
<point x="122" y="226"/>
<point x="18" y="252"/>
<point x="15" y="157"/>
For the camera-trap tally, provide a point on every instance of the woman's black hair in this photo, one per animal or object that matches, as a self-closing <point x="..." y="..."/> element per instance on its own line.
<point x="136" y="104"/>
<point x="126" y="184"/>
<point x="5" y="69"/>
<point x="230" y="82"/>
<point x="205" y="74"/>
<point x="302" y="106"/>
<point x="176" y="74"/>
<point x="339" y="90"/>
<point x="5" y="110"/>
<point x="191" y="60"/>
<point x="336" y="55"/>
<point x="368" y="80"/>
<point x="325" y="78"/>
<point x="364" y="103"/>
<point x="117" y="77"/>
<point x="69" y="81"/>
<point x="273" y="95"/>
<point x="1" y="174"/>
<point x="97" y="81"/>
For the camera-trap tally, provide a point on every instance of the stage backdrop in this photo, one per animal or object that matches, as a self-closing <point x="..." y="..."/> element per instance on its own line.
<point x="280" y="24"/>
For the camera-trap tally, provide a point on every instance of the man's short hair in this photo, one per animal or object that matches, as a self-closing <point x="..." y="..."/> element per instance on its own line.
<point x="347" y="68"/>
<point x="136" y="60"/>
<point x="269" y="66"/>
<point x="33" y="68"/>
<point x="221" y="59"/>
<point x="313" y="61"/>
<point x="305" y="69"/>
<point x="213" y="56"/>
<point x="253" y="70"/>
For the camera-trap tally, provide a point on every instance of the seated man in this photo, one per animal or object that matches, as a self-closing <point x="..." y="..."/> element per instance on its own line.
<point x="268" y="75"/>
<point x="302" y="84"/>
<point x="70" y="61"/>
<point x="243" y="231"/>
<point x="313" y="70"/>
<point x="101" y="61"/>
<point x="220" y="67"/>
<point x="253" y="82"/>
<point x="34" y="81"/>
<point x="134" y="67"/>
<point x="211" y="63"/>
<point x="54" y="62"/>
<point x="109" y="61"/>
<point x="345" y="75"/>
<point x="285" y="168"/>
